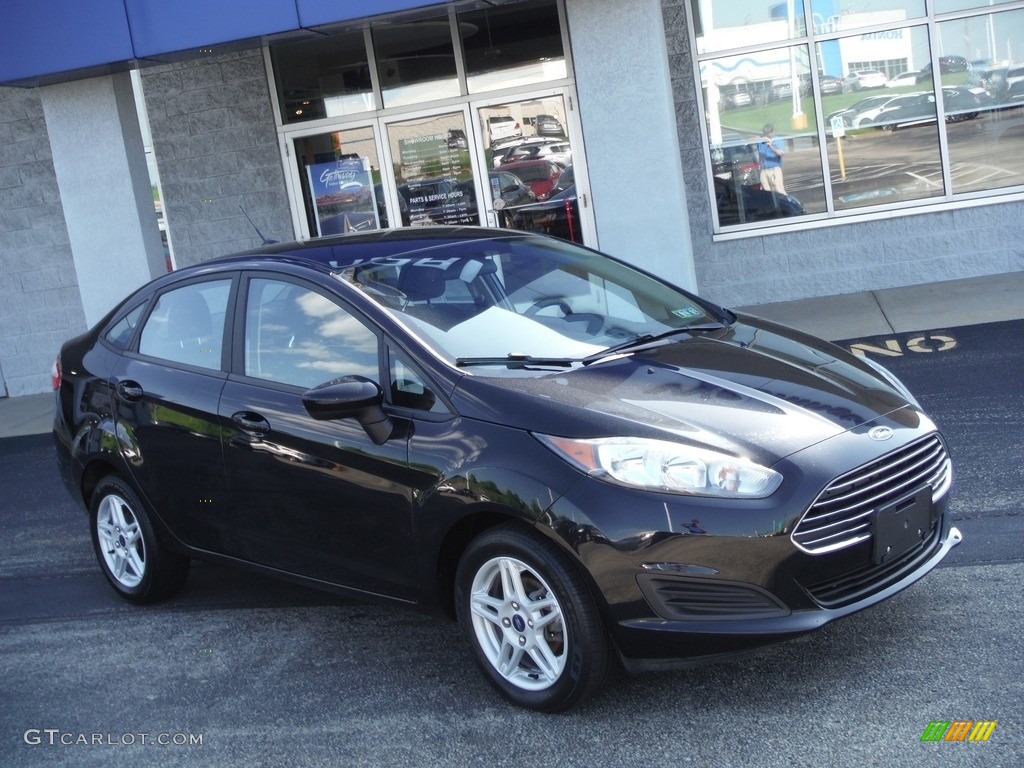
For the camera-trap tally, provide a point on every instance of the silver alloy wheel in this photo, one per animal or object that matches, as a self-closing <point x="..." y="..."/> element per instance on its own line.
<point x="120" y="539"/>
<point x="518" y="623"/>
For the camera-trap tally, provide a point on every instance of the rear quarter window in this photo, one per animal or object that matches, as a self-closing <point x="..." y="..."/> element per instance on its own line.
<point x="120" y="333"/>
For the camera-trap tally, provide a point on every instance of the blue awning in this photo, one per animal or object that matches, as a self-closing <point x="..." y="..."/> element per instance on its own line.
<point x="47" y="41"/>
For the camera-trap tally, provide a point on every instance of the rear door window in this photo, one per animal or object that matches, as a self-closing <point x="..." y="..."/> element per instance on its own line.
<point x="187" y="325"/>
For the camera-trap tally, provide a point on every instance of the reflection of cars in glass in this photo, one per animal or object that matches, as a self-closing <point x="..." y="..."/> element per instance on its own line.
<point x="946" y="64"/>
<point x="780" y="91"/>
<point x="566" y="178"/>
<point x="457" y="139"/>
<point x="965" y="102"/>
<point x="902" y="79"/>
<point x="735" y="157"/>
<point x="548" y="125"/>
<point x="556" y="151"/>
<point x="751" y="204"/>
<point x="538" y="175"/>
<point x="501" y="149"/>
<point x="558" y="216"/>
<point x="960" y="103"/>
<point x="511" y="189"/>
<point x="503" y="127"/>
<point x="829" y="84"/>
<point x="895" y="110"/>
<point x="736" y="95"/>
<point x="857" y="108"/>
<point x="575" y="460"/>
<point x="1004" y="83"/>
<point x="862" y="79"/>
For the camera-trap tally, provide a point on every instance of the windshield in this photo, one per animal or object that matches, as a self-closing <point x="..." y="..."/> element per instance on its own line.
<point x="480" y="302"/>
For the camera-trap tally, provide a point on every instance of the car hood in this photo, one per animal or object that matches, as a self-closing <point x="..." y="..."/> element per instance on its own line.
<point x="754" y="388"/>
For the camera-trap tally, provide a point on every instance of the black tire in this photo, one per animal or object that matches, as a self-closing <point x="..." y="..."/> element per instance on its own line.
<point x="545" y="625"/>
<point x="131" y="556"/>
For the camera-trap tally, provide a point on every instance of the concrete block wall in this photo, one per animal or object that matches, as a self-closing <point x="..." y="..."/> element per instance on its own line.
<point x="866" y="255"/>
<point x="215" y="144"/>
<point x="40" y="307"/>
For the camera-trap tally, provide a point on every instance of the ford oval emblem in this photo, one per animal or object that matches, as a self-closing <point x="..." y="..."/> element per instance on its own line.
<point x="880" y="433"/>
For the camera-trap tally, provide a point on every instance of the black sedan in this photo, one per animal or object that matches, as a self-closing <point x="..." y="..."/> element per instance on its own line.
<point x="578" y="461"/>
<point x="738" y="203"/>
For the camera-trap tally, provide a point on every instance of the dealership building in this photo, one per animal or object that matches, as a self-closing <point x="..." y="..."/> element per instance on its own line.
<point x="137" y="136"/>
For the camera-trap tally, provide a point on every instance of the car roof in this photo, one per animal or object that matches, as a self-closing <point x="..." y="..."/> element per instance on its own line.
<point x="531" y="163"/>
<point x="342" y="250"/>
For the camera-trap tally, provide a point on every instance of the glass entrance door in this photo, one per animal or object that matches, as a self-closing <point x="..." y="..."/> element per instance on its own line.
<point x="337" y="175"/>
<point x="433" y="173"/>
<point x="508" y="163"/>
<point x="528" y="149"/>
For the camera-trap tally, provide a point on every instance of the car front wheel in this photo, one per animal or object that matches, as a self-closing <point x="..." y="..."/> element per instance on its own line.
<point x="132" y="558"/>
<point x="532" y="624"/>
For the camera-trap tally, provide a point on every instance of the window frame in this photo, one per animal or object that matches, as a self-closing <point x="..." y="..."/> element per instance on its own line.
<point x="237" y="368"/>
<point x="949" y="200"/>
<point x="133" y="350"/>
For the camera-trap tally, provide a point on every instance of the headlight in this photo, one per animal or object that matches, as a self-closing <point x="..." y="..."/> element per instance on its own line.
<point x="663" y="466"/>
<point x="898" y="385"/>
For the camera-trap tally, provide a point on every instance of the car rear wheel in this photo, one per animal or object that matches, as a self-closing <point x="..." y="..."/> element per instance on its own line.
<point x="532" y="624"/>
<point x="136" y="564"/>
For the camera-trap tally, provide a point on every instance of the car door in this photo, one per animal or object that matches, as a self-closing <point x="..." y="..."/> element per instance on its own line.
<point x="165" y="405"/>
<point x="314" y="498"/>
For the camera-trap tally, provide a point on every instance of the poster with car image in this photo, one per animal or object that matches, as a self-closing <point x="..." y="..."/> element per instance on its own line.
<point x="344" y="199"/>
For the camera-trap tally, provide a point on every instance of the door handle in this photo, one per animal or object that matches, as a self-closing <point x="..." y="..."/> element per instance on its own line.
<point x="129" y="391"/>
<point x="251" y="423"/>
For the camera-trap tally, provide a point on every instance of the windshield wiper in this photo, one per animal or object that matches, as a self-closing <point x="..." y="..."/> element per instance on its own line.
<point x="517" y="360"/>
<point x="644" y="339"/>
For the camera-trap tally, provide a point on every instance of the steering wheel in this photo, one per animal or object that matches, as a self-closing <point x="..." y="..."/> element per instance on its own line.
<point x="550" y="301"/>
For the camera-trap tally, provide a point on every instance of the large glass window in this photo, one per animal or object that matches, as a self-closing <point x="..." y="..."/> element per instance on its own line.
<point x="433" y="171"/>
<point x="340" y="177"/>
<point x="763" y="136"/>
<point x="948" y="6"/>
<point x="984" y="101"/>
<point x="890" y="111"/>
<point x="721" y="24"/>
<point x="842" y="15"/>
<point x="324" y="77"/>
<point x="461" y="117"/>
<point x="512" y="45"/>
<point x="882" y="132"/>
<point x="415" y="61"/>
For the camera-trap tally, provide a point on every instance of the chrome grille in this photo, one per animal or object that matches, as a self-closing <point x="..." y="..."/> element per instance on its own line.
<point x="841" y="516"/>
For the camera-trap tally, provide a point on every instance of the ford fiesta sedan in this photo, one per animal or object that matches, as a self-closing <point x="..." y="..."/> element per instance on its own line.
<point x="582" y="463"/>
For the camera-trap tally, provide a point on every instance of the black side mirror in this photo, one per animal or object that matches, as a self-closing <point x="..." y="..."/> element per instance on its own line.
<point x="353" y="397"/>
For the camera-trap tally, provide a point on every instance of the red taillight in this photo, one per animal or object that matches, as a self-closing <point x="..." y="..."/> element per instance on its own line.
<point x="56" y="375"/>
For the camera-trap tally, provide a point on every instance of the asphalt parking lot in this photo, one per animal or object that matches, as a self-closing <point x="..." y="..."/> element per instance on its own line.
<point x="240" y="670"/>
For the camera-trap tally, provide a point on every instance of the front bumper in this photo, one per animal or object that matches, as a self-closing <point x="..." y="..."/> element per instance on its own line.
<point x="684" y="580"/>
<point x="653" y="644"/>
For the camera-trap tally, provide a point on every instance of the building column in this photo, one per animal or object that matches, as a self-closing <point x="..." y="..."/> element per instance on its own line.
<point x="100" y="164"/>
<point x="620" y="61"/>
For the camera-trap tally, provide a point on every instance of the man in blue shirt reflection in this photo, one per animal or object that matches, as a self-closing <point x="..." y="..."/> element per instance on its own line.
<point x="769" y="150"/>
